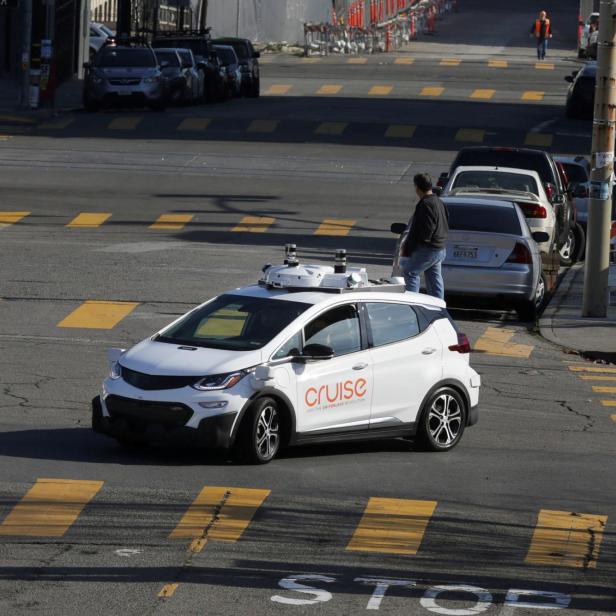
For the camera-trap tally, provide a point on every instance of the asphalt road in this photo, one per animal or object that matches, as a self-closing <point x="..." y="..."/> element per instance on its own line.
<point x="544" y="442"/>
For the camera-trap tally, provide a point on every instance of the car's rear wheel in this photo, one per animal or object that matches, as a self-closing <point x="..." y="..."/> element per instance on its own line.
<point x="443" y="420"/>
<point x="568" y="251"/>
<point x="260" y="432"/>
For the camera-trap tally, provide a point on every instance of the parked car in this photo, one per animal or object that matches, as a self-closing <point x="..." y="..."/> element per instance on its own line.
<point x="310" y="354"/>
<point x="178" y="81"/>
<point x="581" y="92"/>
<point x="589" y="26"/>
<point x="249" y="63"/>
<point x="215" y="77"/>
<point x="197" y="77"/>
<point x="519" y="186"/>
<point x="124" y="75"/>
<point x="533" y="160"/>
<point x="230" y="61"/>
<point x="99" y="33"/>
<point x="491" y="255"/>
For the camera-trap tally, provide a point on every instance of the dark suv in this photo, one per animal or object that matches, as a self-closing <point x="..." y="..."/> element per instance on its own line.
<point x="581" y="93"/>
<point x="249" y="63"/>
<point x="216" y="81"/>
<point x="534" y="160"/>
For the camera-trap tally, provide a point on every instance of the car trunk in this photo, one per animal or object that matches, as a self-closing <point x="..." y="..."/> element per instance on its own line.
<point x="477" y="249"/>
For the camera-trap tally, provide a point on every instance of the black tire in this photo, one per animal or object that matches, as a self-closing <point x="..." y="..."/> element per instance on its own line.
<point x="444" y="402"/>
<point x="531" y="309"/>
<point x="261" y="431"/>
<point x="581" y="53"/>
<point x="158" y="106"/>
<point x="90" y="106"/>
<point x="581" y="242"/>
<point x="255" y="89"/>
<point x="569" y="250"/>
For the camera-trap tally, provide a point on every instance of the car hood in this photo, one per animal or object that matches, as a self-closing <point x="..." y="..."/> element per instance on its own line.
<point x="164" y="359"/>
<point x="122" y="73"/>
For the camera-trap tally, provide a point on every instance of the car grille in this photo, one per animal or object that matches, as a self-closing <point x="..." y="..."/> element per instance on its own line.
<point x="151" y="382"/>
<point x="125" y="82"/>
<point x="140" y="414"/>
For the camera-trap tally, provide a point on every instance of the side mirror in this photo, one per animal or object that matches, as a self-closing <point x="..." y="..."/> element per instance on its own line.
<point x="201" y="65"/>
<point x="315" y="352"/>
<point x="437" y="190"/>
<point x="558" y="199"/>
<point x="114" y="354"/>
<point x="398" y="228"/>
<point x="541" y="236"/>
<point x="569" y="78"/>
<point x="256" y="54"/>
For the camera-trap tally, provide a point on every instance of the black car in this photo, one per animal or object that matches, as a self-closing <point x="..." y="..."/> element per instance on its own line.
<point x="216" y="82"/>
<point x="229" y="60"/>
<point x="534" y="160"/>
<point x="581" y="93"/>
<point x="249" y="63"/>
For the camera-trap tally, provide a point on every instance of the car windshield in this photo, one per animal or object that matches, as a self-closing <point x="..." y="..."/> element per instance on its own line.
<point x="487" y="218"/>
<point x="234" y="323"/>
<point x="106" y="30"/>
<point x="575" y="173"/>
<point x="168" y="56"/>
<point x="226" y="55"/>
<point x="500" y="180"/>
<point x="241" y="49"/>
<point x="186" y="57"/>
<point x="122" y="58"/>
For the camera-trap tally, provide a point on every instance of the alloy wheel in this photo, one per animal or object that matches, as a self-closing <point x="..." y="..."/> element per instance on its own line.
<point x="445" y="420"/>
<point x="540" y="294"/>
<point x="568" y="248"/>
<point x="268" y="433"/>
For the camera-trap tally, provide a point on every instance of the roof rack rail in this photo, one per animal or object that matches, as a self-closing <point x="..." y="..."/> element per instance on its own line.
<point x="377" y="288"/>
<point x="177" y="33"/>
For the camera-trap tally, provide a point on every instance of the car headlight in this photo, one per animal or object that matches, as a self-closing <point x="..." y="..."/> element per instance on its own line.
<point x="152" y="79"/>
<point x="116" y="371"/>
<point x="221" y="381"/>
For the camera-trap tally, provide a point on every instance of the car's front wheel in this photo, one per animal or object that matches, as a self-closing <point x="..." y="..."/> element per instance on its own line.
<point x="259" y="439"/>
<point x="443" y="420"/>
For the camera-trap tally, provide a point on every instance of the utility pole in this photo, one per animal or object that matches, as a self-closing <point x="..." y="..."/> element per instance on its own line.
<point x="595" y="301"/>
<point x="124" y="19"/>
<point x="26" y="53"/>
<point x="203" y="15"/>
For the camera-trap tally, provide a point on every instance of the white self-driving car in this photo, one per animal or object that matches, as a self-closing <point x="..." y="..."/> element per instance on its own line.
<point x="311" y="353"/>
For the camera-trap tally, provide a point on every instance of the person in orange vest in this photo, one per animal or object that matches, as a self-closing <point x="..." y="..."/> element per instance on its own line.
<point x="542" y="31"/>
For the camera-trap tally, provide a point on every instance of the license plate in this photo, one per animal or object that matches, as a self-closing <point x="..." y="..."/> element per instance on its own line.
<point x="465" y="252"/>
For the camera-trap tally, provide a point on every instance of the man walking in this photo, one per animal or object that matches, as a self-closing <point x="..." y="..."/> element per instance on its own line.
<point x="542" y="31"/>
<point x="424" y="248"/>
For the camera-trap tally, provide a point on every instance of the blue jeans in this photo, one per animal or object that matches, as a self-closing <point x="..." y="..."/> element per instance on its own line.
<point x="542" y="47"/>
<point x="427" y="261"/>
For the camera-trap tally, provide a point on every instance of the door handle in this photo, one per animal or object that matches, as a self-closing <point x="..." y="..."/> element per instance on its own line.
<point x="360" y="366"/>
<point x="428" y="351"/>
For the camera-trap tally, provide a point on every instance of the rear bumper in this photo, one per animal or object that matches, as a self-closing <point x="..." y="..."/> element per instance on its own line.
<point x="212" y="432"/>
<point x="516" y="284"/>
<point x="473" y="415"/>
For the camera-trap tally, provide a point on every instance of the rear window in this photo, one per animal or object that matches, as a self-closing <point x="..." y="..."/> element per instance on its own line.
<point x="226" y="55"/>
<point x="496" y="180"/>
<point x="506" y="158"/>
<point x="576" y="173"/>
<point x="488" y="218"/>
<point x="121" y="58"/>
<point x="186" y="56"/>
<point x="168" y="56"/>
<point x="241" y="49"/>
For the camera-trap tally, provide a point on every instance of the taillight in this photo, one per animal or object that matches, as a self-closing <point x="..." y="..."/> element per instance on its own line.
<point x="613" y="230"/>
<point x="463" y="346"/>
<point x="533" y="210"/>
<point x="520" y="254"/>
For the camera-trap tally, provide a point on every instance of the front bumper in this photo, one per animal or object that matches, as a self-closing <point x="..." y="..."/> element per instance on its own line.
<point x="129" y="421"/>
<point x="106" y="93"/>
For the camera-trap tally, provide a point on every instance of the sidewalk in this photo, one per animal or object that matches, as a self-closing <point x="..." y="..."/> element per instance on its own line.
<point x="562" y="324"/>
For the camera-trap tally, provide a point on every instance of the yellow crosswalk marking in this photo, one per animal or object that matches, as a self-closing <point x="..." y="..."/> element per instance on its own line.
<point x="380" y="90"/>
<point x="254" y="224"/>
<point x="474" y="135"/>
<point x="10" y="218"/>
<point x="278" y="89"/>
<point x="194" y="124"/>
<point x="262" y="126"/>
<point x="88" y="220"/>
<point x="357" y="61"/>
<point x="49" y="508"/>
<point x="336" y="227"/>
<point x="4" y="137"/>
<point x="533" y="95"/>
<point x="450" y="62"/>
<point x="566" y="539"/>
<point x="220" y="513"/>
<point x="400" y="131"/>
<point x="498" y="63"/>
<point x="605" y="369"/>
<point x="546" y="66"/>
<point x="484" y="94"/>
<point x="392" y="526"/>
<point x="539" y="139"/>
<point x="496" y="341"/>
<point x="93" y="314"/>
<point x="432" y="91"/>
<point x="613" y="417"/>
<point x="168" y="590"/>
<point x="608" y="402"/>
<point x="58" y="124"/>
<point x="331" y="128"/>
<point x="596" y="377"/>
<point x="604" y="390"/>
<point x="18" y="119"/>
<point x="404" y="60"/>
<point x="172" y="221"/>
<point x="128" y="123"/>
<point x="329" y="89"/>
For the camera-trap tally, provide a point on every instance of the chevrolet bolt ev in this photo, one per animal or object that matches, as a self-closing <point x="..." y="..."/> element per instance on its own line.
<point x="310" y="354"/>
<point x="123" y="76"/>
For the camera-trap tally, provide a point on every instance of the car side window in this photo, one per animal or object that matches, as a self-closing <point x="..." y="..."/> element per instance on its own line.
<point x="337" y="328"/>
<point x="290" y="348"/>
<point x="391" y="322"/>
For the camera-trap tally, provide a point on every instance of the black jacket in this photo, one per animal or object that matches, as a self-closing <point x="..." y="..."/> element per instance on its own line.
<point x="428" y="226"/>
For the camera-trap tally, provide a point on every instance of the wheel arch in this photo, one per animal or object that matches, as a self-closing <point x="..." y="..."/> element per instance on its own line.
<point x="454" y="384"/>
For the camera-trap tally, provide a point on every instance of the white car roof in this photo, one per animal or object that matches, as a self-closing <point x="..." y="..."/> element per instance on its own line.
<point x="534" y="174"/>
